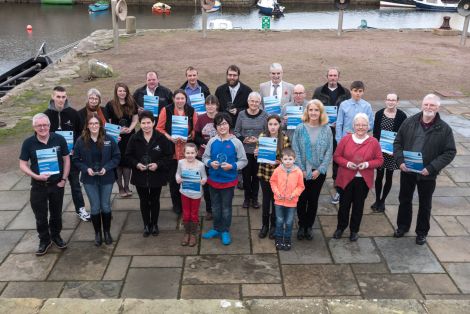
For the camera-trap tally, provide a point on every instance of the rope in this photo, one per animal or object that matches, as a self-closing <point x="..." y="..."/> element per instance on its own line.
<point x="62" y="48"/>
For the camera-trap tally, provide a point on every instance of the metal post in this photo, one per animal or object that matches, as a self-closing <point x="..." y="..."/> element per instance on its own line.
<point x="204" y="22"/>
<point x="463" y="37"/>
<point x="115" y="26"/>
<point x="340" y="22"/>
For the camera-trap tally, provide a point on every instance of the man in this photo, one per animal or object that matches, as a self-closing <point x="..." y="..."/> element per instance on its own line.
<point x="427" y="134"/>
<point x="193" y="86"/>
<point x="47" y="191"/>
<point x="276" y="86"/>
<point x="233" y="95"/>
<point x="332" y="94"/>
<point x="153" y="88"/>
<point x="64" y="118"/>
<point x="299" y="100"/>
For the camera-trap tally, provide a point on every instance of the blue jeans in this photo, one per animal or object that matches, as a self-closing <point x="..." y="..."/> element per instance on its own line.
<point x="221" y="200"/>
<point x="99" y="196"/>
<point x="284" y="216"/>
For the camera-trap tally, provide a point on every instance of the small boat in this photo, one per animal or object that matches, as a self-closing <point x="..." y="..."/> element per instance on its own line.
<point x="161" y="8"/>
<point x="270" y="8"/>
<point x="220" y="24"/>
<point x="24" y="71"/>
<point x="98" y="6"/>
<point x="437" y="5"/>
<point x="398" y="4"/>
<point x="216" y="7"/>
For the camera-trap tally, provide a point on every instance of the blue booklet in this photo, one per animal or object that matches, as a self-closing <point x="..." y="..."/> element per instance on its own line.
<point x="413" y="161"/>
<point x="68" y="135"/>
<point x="179" y="127"/>
<point x="191" y="180"/>
<point x="151" y="104"/>
<point x="294" y="116"/>
<point x="198" y="103"/>
<point x="332" y="112"/>
<point x="267" y="147"/>
<point x="47" y="161"/>
<point x="272" y="105"/>
<point x="386" y="141"/>
<point x="113" y="130"/>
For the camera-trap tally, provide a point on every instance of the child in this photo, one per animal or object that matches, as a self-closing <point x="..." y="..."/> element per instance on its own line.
<point x="287" y="183"/>
<point x="191" y="175"/>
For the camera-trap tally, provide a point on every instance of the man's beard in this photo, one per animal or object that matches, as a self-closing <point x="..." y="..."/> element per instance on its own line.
<point x="232" y="84"/>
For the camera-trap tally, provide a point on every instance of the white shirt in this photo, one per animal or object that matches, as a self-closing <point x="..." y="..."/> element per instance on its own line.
<point x="234" y="91"/>
<point x="359" y="141"/>
<point x="150" y="92"/>
<point x="278" y="91"/>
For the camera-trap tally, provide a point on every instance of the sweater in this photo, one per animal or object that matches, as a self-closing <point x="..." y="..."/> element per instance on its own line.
<point x="285" y="184"/>
<point x="250" y="125"/>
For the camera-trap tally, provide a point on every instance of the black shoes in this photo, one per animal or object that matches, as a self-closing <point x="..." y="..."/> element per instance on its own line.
<point x="255" y="204"/>
<point x="43" y="247"/>
<point x="263" y="232"/>
<point x="279" y="244"/>
<point x="399" y="233"/>
<point x="98" y="238"/>
<point x="146" y="231"/>
<point x="272" y="232"/>
<point x="378" y="207"/>
<point x="353" y="237"/>
<point x="283" y="244"/>
<point x="420" y="239"/>
<point x="57" y="240"/>
<point x="155" y="230"/>
<point x="374" y="206"/>
<point x="246" y="204"/>
<point x="308" y="234"/>
<point x="338" y="234"/>
<point x="301" y="233"/>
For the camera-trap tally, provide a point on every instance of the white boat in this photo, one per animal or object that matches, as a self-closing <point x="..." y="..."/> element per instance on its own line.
<point x="437" y="5"/>
<point x="216" y="7"/>
<point x="270" y="7"/>
<point x="398" y="4"/>
<point x="220" y="24"/>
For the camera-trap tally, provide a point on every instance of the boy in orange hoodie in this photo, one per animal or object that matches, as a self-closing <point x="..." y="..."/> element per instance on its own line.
<point x="287" y="183"/>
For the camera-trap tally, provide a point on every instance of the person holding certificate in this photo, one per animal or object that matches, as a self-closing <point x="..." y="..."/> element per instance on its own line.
<point x="357" y="155"/>
<point x="387" y="122"/>
<point x="97" y="155"/>
<point x="176" y="122"/>
<point x="92" y="106"/>
<point x="150" y="154"/>
<point x="313" y="146"/>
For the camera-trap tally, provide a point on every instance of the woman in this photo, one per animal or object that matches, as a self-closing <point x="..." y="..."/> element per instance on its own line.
<point x="250" y="124"/>
<point x="313" y="146"/>
<point x="357" y="155"/>
<point x="97" y="155"/>
<point x="389" y="118"/>
<point x="149" y="153"/>
<point x="92" y="106"/>
<point x="224" y="155"/>
<point x="265" y="171"/>
<point x="164" y="126"/>
<point x="204" y="131"/>
<point x="122" y="111"/>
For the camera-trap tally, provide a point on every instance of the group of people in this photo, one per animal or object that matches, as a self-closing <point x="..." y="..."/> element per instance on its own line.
<point x="222" y="150"/>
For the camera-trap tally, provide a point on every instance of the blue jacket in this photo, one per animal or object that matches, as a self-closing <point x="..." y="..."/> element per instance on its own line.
<point x="346" y="113"/>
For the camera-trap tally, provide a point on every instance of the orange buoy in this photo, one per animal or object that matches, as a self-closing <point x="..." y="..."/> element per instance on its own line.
<point x="29" y="27"/>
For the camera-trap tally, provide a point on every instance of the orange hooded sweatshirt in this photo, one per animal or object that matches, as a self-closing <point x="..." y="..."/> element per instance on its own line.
<point x="287" y="184"/>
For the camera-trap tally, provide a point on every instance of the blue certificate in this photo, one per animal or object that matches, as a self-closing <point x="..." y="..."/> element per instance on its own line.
<point x="151" y="104"/>
<point x="179" y="127"/>
<point x="332" y="112"/>
<point x="413" y="161"/>
<point x="68" y="135"/>
<point x="294" y="116"/>
<point x="47" y="161"/>
<point x="272" y="105"/>
<point x="386" y="141"/>
<point x="113" y="130"/>
<point x="198" y="103"/>
<point x="267" y="147"/>
<point x="191" y="180"/>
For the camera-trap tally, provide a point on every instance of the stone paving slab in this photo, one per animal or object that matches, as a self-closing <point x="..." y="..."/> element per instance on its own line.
<point x="152" y="283"/>
<point x="240" y="239"/>
<point x="435" y="231"/>
<point x="435" y="284"/>
<point x="451" y="226"/>
<point x="307" y="252"/>
<point x="157" y="261"/>
<point x="85" y="231"/>
<point x="261" y="246"/>
<point x="388" y="286"/>
<point x="92" y="289"/>
<point x="167" y="220"/>
<point x="20" y="306"/>
<point x="6" y="217"/>
<point x="166" y="243"/>
<point x="38" y="289"/>
<point x="13" y="200"/>
<point x="117" y="268"/>
<point x="374" y="306"/>
<point x="459" y="174"/>
<point x="30" y="241"/>
<point x="262" y="290"/>
<point x="8" y="240"/>
<point x="465" y="221"/>
<point x="460" y="273"/>
<point x="210" y="292"/>
<point x="73" y="306"/>
<point x="9" y="179"/>
<point x="27" y="267"/>
<point x="347" y="252"/>
<point x="378" y="268"/>
<point x="451" y="249"/>
<point x="438" y="307"/>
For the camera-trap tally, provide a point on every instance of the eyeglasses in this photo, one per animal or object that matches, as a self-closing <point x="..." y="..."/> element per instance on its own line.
<point x="361" y="125"/>
<point x="224" y="123"/>
<point x="390" y="100"/>
<point x="298" y="94"/>
<point x="93" y="98"/>
<point x="42" y="126"/>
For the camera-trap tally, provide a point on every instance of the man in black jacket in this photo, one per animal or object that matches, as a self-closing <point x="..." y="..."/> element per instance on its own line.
<point x="153" y="88"/>
<point x="193" y="86"/>
<point x="432" y="140"/>
<point x="64" y="118"/>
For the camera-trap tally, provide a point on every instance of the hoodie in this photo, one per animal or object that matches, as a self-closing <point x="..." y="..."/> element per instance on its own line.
<point x="65" y="120"/>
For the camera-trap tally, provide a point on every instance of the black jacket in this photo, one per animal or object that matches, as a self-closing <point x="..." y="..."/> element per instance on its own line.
<point x="159" y="149"/>
<point x="240" y="102"/>
<point x="438" y="149"/>
<point x="399" y="118"/>
<point x="204" y="88"/>
<point x="65" y="120"/>
<point x="322" y="93"/>
<point x="82" y="113"/>
<point x="165" y="96"/>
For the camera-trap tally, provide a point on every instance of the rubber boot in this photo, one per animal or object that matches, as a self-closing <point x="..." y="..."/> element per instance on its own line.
<point x="187" y="231"/>
<point x="106" y="217"/>
<point x="96" y="220"/>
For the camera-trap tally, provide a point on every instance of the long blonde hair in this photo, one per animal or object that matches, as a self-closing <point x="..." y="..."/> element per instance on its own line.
<point x="323" y="116"/>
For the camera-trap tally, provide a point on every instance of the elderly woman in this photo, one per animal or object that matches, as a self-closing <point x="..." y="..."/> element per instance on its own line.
<point x="357" y="155"/>
<point x="250" y="124"/>
<point x="313" y="146"/>
<point x="92" y="106"/>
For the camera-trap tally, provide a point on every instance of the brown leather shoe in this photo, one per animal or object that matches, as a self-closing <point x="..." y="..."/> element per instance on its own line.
<point x="185" y="240"/>
<point x="192" y="240"/>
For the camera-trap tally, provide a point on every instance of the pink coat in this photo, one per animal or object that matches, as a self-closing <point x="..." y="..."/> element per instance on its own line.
<point x="287" y="185"/>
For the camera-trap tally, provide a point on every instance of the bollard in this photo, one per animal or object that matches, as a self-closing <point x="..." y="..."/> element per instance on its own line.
<point x="445" y="23"/>
<point x="130" y="25"/>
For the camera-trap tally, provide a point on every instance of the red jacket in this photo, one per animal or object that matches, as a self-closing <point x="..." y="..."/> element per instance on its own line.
<point x="348" y="150"/>
<point x="287" y="185"/>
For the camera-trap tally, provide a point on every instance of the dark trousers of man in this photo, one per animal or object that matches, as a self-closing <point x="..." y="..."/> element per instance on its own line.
<point x="149" y="204"/>
<point x="408" y="183"/>
<point x="207" y="195"/>
<point x="46" y="198"/>
<point x="269" y="211"/>
<point x="175" y="188"/>
<point x="308" y="201"/>
<point x="250" y="178"/>
<point x="75" y="188"/>
<point x="353" y="196"/>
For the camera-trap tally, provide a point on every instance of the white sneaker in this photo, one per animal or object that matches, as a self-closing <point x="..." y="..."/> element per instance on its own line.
<point x="83" y="214"/>
<point x="335" y="198"/>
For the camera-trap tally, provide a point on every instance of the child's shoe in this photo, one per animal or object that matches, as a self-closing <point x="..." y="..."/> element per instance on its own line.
<point x="287" y="245"/>
<point x="226" y="238"/>
<point x="279" y="244"/>
<point x="211" y="234"/>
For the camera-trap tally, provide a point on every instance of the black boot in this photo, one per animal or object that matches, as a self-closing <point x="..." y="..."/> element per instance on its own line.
<point x="96" y="220"/>
<point x="106" y="217"/>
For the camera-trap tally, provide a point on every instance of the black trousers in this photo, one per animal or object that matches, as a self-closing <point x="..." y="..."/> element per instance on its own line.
<point x="353" y="196"/>
<point x="149" y="204"/>
<point x="75" y="188"/>
<point x="408" y="183"/>
<point x="269" y="212"/>
<point x="175" y="187"/>
<point x="44" y="200"/>
<point x="307" y="205"/>
<point x="379" y="196"/>
<point x="250" y="178"/>
<point x="207" y="195"/>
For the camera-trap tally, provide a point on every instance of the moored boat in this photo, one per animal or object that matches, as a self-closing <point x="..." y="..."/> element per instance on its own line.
<point x="437" y="5"/>
<point x="161" y="8"/>
<point x="398" y="4"/>
<point x="98" y="6"/>
<point x="270" y="7"/>
<point x="220" y="24"/>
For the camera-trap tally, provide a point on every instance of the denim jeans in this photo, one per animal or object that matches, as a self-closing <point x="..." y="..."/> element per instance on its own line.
<point x="284" y="216"/>
<point x="222" y="208"/>
<point x="99" y="196"/>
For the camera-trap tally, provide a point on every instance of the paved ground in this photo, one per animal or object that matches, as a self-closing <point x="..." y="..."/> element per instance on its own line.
<point x="376" y="267"/>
